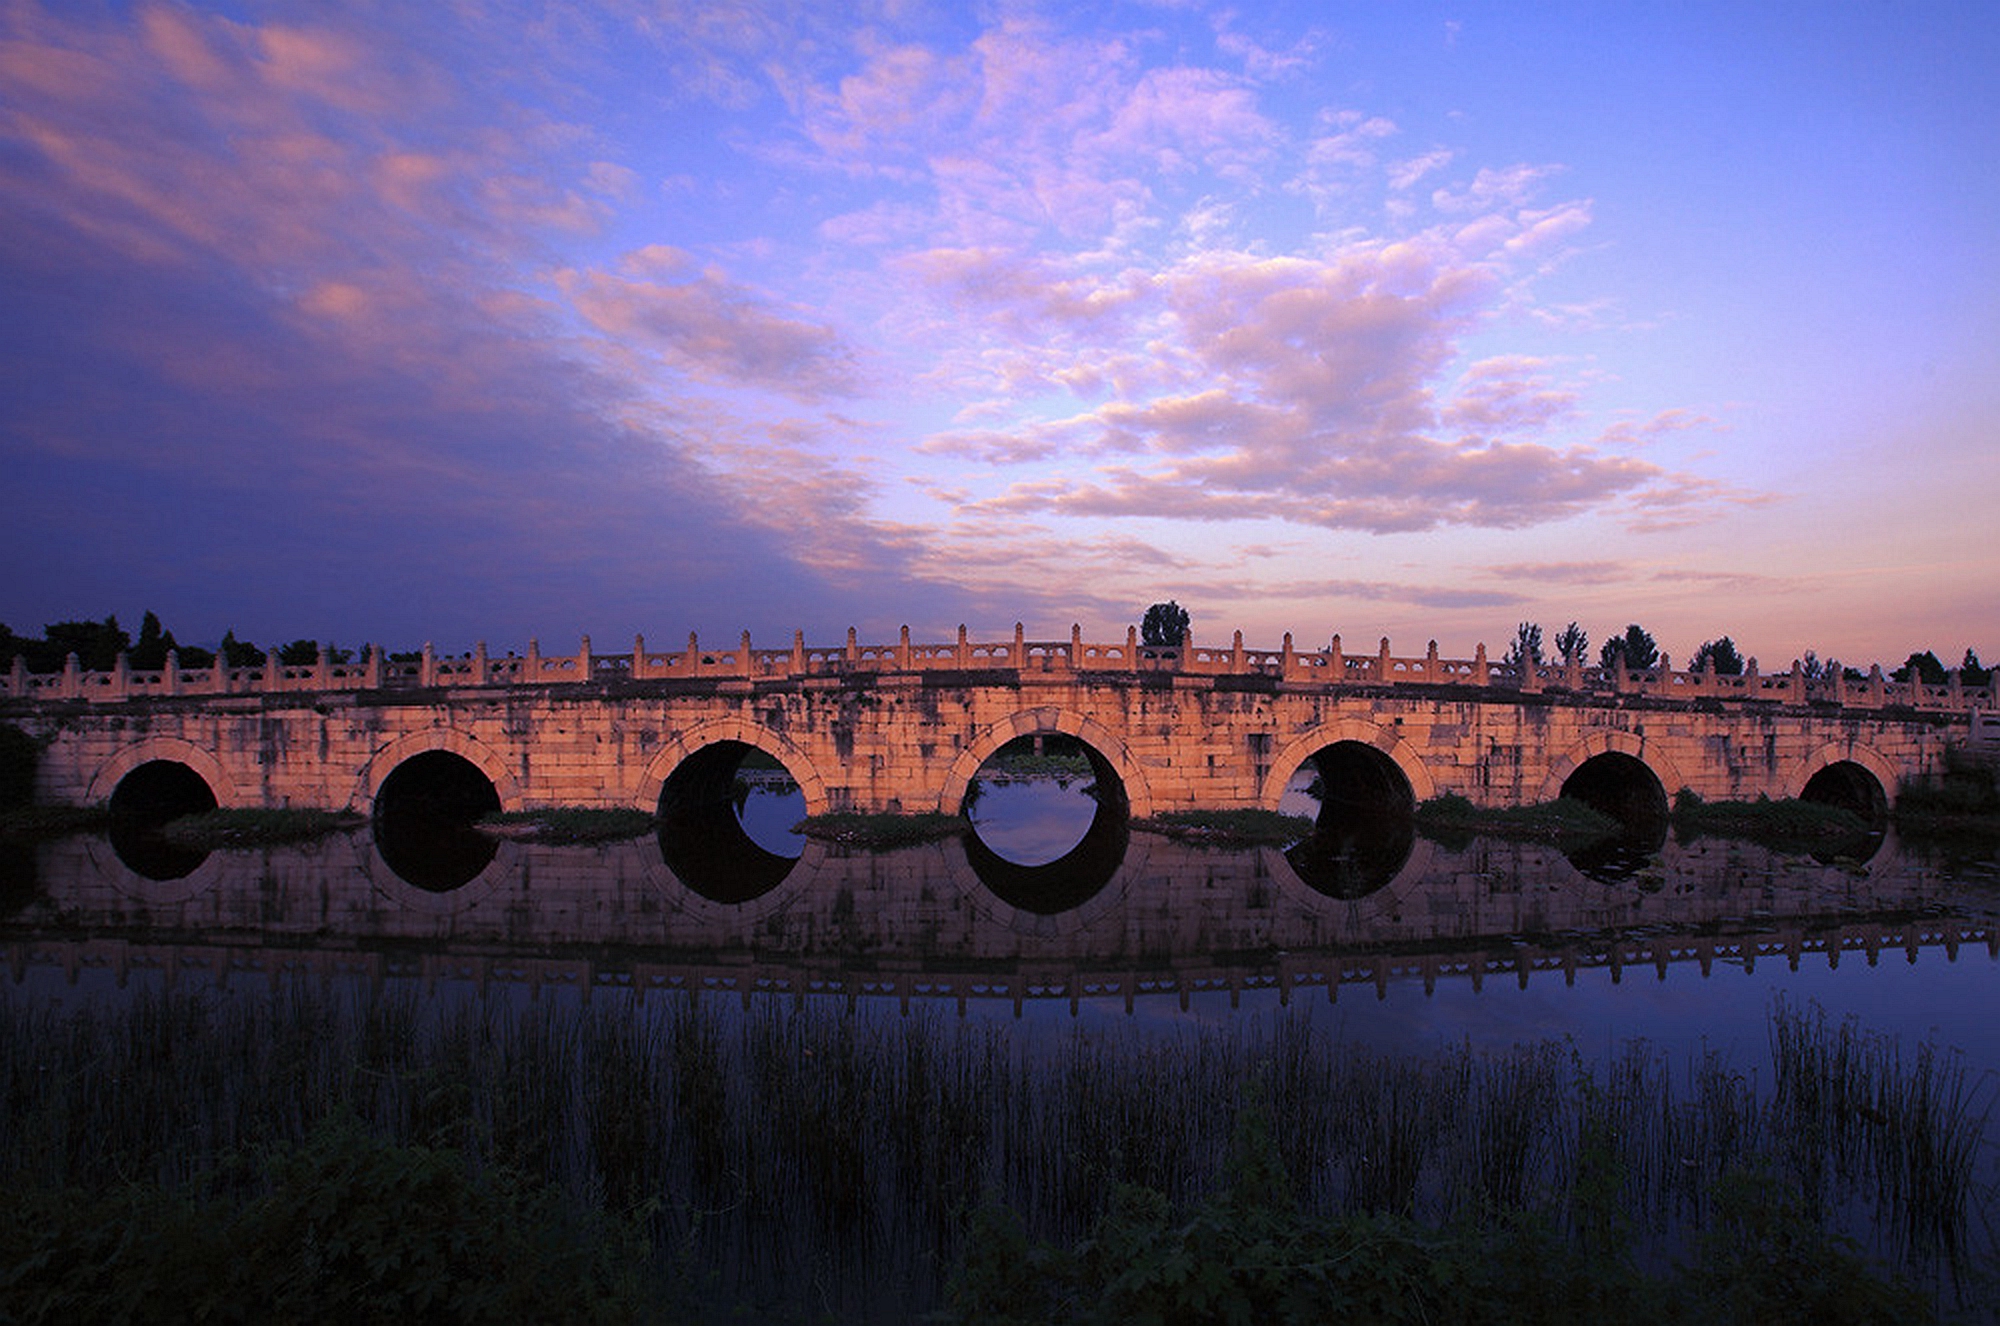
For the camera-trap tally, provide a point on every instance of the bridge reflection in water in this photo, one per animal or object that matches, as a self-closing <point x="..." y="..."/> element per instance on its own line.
<point x="1122" y="917"/>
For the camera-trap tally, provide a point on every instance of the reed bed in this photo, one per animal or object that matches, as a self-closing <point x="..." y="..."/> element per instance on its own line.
<point x="801" y="1155"/>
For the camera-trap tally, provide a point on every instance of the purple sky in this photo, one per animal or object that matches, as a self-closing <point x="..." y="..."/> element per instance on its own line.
<point x="421" y="322"/>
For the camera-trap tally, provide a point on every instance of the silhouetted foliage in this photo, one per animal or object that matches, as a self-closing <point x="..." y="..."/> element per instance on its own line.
<point x="1526" y="651"/>
<point x="1722" y="653"/>
<point x="1925" y="667"/>
<point x="1164" y="624"/>
<point x="1634" y="650"/>
<point x="1971" y="673"/>
<point x="19" y="754"/>
<point x="1573" y="642"/>
<point x="239" y="653"/>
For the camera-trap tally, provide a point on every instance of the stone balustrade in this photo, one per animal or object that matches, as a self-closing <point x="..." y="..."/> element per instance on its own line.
<point x="1328" y="667"/>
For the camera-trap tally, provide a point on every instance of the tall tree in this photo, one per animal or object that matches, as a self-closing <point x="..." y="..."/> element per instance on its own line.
<point x="1573" y="642"/>
<point x="1925" y="667"/>
<point x="1970" y="673"/>
<point x="1164" y="624"/>
<point x="1722" y="653"/>
<point x="1526" y="651"/>
<point x="1634" y="650"/>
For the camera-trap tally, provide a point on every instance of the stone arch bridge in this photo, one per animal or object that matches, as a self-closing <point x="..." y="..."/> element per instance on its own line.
<point x="904" y="727"/>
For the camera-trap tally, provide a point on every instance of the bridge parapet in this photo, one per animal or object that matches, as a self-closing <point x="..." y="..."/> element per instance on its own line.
<point x="1330" y="668"/>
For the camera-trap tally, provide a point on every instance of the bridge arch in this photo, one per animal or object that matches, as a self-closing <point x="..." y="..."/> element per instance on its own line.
<point x="388" y="758"/>
<point x="683" y="745"/>
<point x="1886" y="775"/>
<point x="1026" y="723"/>
<point x="1385" y="739"/>
<point x="171" y="750"/>
<point x="1612" y="742"/>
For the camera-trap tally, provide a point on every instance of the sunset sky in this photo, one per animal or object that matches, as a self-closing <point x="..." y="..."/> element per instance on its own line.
<point x="400" y="322"/>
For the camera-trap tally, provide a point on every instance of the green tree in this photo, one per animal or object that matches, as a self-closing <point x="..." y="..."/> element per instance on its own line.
<point x="1573" y="642"/>
<point x="1164" y="624"/>
<point x="1970" y="673"/>
<point x="1634" y="650"/>
<point x="1925" y="667"/>
<point x="239" y="653"/>
<point x="149" y="653"/>
<point x="1728" y="663"/>
<point x="1526" y="651"/>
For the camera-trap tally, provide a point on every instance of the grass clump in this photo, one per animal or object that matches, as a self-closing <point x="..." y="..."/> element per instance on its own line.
<point x="28" y="823"/>
<point x="854" y="829"/>
<point x="1962" y="797"/>
<point x="1787" y="824"/>
<point x="1564" y="820"/>
<point x="241" y="827"/>
<point x="569" y="824"/>
<point x="1230" y="828"/>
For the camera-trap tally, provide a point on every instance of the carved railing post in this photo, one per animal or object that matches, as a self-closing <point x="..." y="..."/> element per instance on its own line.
<point x="691" y="661"/>
<point x="1132" y="647"/>
<point x="583" y="660"/>
<point x="638" y="657"/>
<point x="1020" y="657"/>
<point x="1664" y="683"/>
<point x="1236" y="654"/>
<point x="1798" y="682"/>
<point x="1954" y="694"/>
<point x="1481" y="673"/>
<point x="1431" y="662"/>
<point x="1285" y="659"/>
<point x="1573" y="670"/>
<point x="481" y="664"/>
<point x="903" y="650"/>
<point x="963" y="656"/>
<point x="1382" y="672"/>
<point x="72" y="682"/>
<point x="274" y="671"/>
<point x="531" y="670"/>
<point x="372" y="673"/>
<point x="427" y="667"/>
<point x="18" y="676"/>
<point x="799" y="652"/>
<point x="745" y="663"/>
<point x="1075" y="646"/>
<point x="1336" y="666"/>
<point x="121" y="677"/>
<point x="1876" y="689"/>
<point x="322" y="669"/>
<point x="170" y="680"/>
<point x="853" y="648"/>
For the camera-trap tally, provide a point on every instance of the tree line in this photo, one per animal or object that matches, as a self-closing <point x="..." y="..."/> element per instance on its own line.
<point x="97" y="646"/>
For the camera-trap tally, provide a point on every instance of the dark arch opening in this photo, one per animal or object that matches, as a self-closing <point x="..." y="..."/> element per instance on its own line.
<point x="424" y="817"/>
<point x="1059" y="821"/>
<point x="142" y="804"/>
<point x="1625" y="788"/>
<point x="717" y="834"/>
<point x="1848" y="786"/>
<point x="1364" y="827"/>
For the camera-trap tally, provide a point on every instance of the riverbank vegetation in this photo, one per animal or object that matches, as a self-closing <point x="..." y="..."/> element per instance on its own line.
<point x="1229" y="828"/>
<point x="569" y="824"/>
<point x="1566" y="820"/>
<point x="251" y="827"/>
<point x="856" y="829"/>
<point x="788" y="1158"/>
<point x="1787" y="824"/>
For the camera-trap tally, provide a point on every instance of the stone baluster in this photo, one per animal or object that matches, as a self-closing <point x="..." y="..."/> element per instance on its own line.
<point x="1798" y="682"/>
<point x="121" y="677"/>
<point x="1954" y="693"/>
<point x="583" y="660"/>
<point x="903" y="650"/>
<point x="481" y="664"/>
<point x="373" y="669"/>
<point x="1336" y="666"/>
<point x="1837" y="676"/>
<point x="853" y="648"/>
<point x="1285" y="658"/>
<point x="1665" y="683"/>
<point x="1132" y="647"/>
<point x="322" y="669"/>
<point x="531" y="669"/>
<point x="963" y="656"/>
<point x="638" y="657"/>
<point x="17" y="683"/>
<point x="1481" y="673"/>
<point x="746" y="663"/>
<point x="1020" y="645"/>
<point x="170" y="680"/>
<point x="799" y="652"/>
<point x="427" y="668"/>
<point x="1573" y="670"/>
<point x="1075" y="646"/>
<point x="1236" y="654"/>
<point x="1431" y="662"/>
<point x="1877" y="689"/>
<point x="1382" y="672"/>
<point x="691" y="660"/>
<point x="274" y="672"/>
<point x="72" y="682"/>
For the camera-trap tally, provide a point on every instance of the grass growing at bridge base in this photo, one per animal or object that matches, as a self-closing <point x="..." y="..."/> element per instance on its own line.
<point x="1230" y="828"/>
<point x="569" y="824"/>
<point x="1565" y="820"/>
<point x="854" y="829"/>
<point x="1783" y="825"/>
<point x="241" y="827"/>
